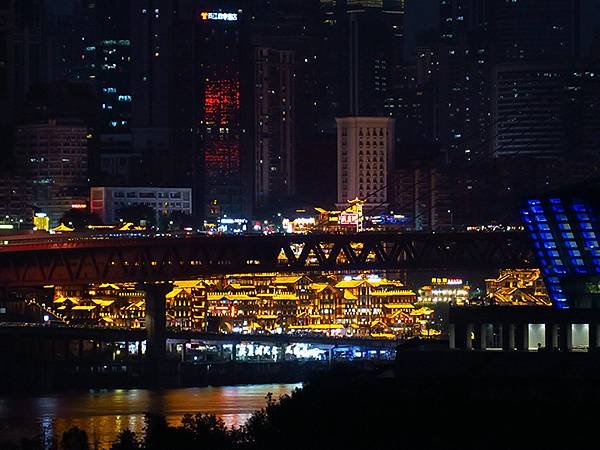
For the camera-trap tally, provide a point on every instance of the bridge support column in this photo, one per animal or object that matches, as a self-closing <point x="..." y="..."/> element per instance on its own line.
<point x="156" y="323"/>
<point x="508" y="337"/>
<point x="522" y="337"/>
<point x="156" y="320"/>
<point x="594" y="337"/>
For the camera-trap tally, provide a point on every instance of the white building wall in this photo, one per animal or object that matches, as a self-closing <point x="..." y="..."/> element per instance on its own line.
<point x="107" y="201"/>
<point x="365" y="156"/>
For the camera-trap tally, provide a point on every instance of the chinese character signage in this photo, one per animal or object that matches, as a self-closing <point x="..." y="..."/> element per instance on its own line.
<point x="348" y="219"/>
<point x="228" y="17"/>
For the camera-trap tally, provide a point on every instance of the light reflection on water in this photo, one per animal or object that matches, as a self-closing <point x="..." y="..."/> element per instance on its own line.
<point x="103" y="414"/>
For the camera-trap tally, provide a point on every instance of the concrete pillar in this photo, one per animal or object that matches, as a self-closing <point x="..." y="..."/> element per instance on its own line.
<point x="480" y="342"/>
<point x="566" y="337"/>
<point x="183" y="351"/>
<point x="594" y="339"/>
<point x="156" y="320"/>
<point x="452" y="336"/>
<point x="508" y="337"/>
<point x="462" y="336"/>
<point x="551" y="336"/>
<point x="522" y="337"/>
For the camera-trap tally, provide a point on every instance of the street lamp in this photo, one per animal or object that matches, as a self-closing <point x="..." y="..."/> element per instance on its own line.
<point x="451" y="219"/>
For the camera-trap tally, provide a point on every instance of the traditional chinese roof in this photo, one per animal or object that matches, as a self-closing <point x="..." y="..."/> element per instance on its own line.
<point x="138" y="305"/>
<point x="350" y="284"/>
<point x="187" y="283"/>
<point x="109" y="285"/>
<point x="349" y="295"/>
<point x="83" y="307"/>
<point x="238" y="286"/>
<point x="318" y="287"/>
<point x="231" y="297"/>
<point x="287" y="280"/>
<point x="102" y="302"/>
<point x="72" y="300"/>
<point x="285" y="297"/>
<point x="62" y="227"/>
<point x="399" y="306"/>
<point x="421" y="311"/>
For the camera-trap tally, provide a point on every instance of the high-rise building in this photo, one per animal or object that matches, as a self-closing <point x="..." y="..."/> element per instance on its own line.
<point x="186" y="98"/>
<point x="20" y="54"/>
<point x="274" y="134"/>
<point x="364" y="42"/>
<point x="534" y="47"/>
<point x="15" y="200"/>
<point x="364" y="158"/>
<point x="527" y="108"/>
<point x="534" y="29"/>
<point x="54" y="156"/>
<point x="546" y="109"/>
<point x="89" y="42"/>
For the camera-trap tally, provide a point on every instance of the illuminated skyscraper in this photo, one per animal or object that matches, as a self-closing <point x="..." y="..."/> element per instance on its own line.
<point x="218" y="75"/>
<point x="186" y="100"/>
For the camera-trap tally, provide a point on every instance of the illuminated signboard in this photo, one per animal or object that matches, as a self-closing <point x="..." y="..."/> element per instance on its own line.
<point x="228" y="17"/>
<point x="348" y="219"/>
<point x="448" y="281"/>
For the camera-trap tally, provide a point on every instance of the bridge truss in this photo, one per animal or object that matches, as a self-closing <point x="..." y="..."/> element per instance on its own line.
<point x="83" y="261"/>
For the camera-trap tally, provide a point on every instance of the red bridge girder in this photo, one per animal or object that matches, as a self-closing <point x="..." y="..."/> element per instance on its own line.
<point x="82" y="261"/>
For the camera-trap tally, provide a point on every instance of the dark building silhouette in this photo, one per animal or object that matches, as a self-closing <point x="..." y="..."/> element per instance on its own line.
<point x="365" y="48"/>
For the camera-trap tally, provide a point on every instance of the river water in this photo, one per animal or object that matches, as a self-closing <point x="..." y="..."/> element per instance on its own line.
<point x="104" y="413"/>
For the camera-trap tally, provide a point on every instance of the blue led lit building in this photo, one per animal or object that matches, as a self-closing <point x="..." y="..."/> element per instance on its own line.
<point x="565" y="231"/>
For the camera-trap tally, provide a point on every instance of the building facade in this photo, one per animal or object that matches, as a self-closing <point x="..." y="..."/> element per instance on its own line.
<point x="365" y="155"/>
<point x="54" y="156"/>
<point x="107" y="201"/>
<point x="275" y="141"/>
<point x="186" y="101"/>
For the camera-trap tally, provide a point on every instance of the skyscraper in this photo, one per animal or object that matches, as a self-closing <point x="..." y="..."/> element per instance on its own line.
<point x="20" y="55"/>
<point x="365" y="48"/>
<point x="275" y="111"/>
<point x="187" y="89"/>
<point x="364" y="159"/>
<point x="54" y="156"/>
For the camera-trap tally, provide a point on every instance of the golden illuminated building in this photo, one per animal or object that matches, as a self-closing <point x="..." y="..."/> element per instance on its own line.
<point x="517" y="287"/>
<point x="261" y="303"/>
<point x="445" y="290"/>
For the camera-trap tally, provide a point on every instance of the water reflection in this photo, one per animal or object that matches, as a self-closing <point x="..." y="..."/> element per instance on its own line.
<point x="103" y="414"/>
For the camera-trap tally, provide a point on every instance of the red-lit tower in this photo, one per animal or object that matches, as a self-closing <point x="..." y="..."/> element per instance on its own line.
<point x="218" y="66"/>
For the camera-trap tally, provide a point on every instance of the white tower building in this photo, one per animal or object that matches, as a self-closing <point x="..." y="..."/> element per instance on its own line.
<point x="365" y="155"/>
